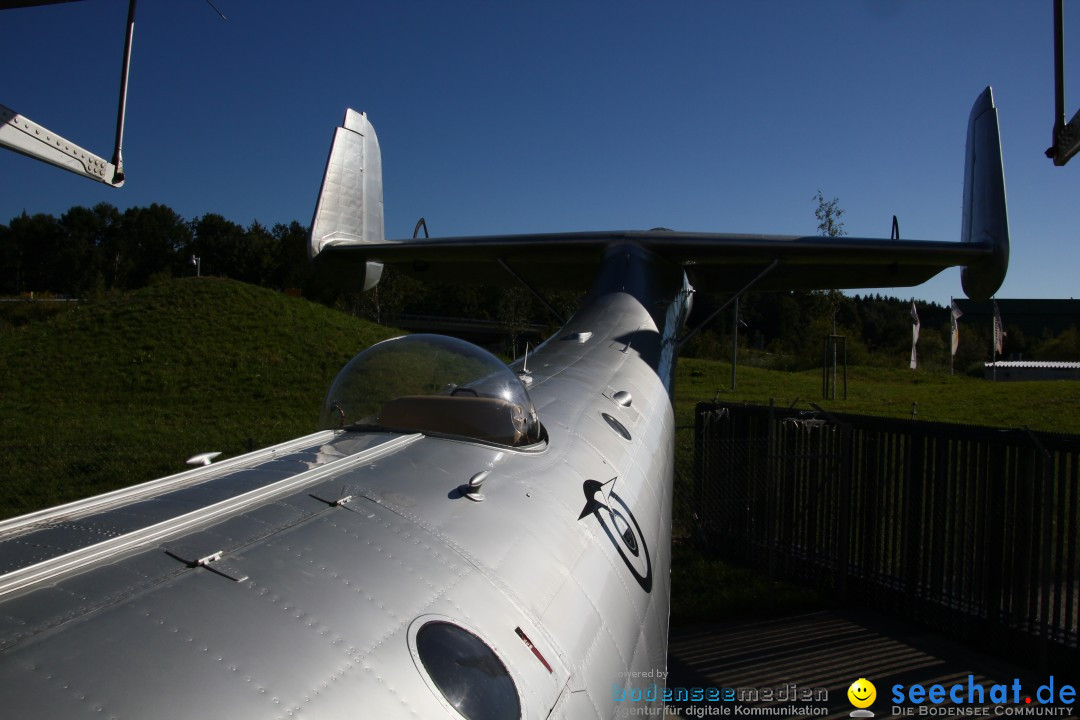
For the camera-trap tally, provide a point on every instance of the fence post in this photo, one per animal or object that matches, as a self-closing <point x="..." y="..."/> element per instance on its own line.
<point x="994" y="586"/>
<point x="770" y="499"/>
<point x="1045" y="527"/>
<point x="847" y="445"/>
<point x="700" y="464"/>
<point x="913" y="523"/>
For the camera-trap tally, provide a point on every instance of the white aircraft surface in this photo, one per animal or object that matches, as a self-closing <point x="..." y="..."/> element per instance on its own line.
<point x="462" y="539"/>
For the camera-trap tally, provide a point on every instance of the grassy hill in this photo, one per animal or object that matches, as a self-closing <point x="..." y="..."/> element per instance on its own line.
<point x="124" y="389"/>
<point x="117" y="391"/>
<point x="121" y="390"/>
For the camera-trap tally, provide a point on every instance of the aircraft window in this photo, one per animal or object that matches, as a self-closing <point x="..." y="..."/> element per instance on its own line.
<point x="467" y="672"/>
<point x="433" y="384"/>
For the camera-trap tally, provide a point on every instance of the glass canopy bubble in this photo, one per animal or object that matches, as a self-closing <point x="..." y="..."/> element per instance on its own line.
<point x="432" y="384"/>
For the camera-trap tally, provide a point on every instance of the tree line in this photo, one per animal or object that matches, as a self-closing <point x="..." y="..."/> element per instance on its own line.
<point x="89" y="251"/>
<point x="92" y="250"/>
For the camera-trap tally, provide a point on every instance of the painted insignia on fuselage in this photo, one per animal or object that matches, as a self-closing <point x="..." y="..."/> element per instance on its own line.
<point x="622" y="529"/>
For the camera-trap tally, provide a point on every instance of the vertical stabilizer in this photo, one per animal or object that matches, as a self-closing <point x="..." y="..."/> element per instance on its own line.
<point x="986" y="218"/>
<point x="350" y="206"/>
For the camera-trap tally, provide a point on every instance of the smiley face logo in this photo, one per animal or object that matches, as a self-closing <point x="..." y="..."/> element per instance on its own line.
<point x="862" y="693"/>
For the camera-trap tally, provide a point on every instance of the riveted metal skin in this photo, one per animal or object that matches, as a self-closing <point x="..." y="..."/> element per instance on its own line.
<point x="23" y="135"/>
<point x="294" y="581"/>
<point x="249" y="591"/>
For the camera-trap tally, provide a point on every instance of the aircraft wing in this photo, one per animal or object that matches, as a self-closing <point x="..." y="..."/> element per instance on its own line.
<point x="347" y="235"/>
<point x="716" y="261"/>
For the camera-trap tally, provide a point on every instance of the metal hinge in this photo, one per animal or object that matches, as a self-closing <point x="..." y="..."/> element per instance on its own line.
<point x="212" y="562"/>
<point x="343" y="500"/>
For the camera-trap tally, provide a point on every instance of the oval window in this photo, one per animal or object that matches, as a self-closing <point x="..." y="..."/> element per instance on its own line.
<point x="467" y="672"/>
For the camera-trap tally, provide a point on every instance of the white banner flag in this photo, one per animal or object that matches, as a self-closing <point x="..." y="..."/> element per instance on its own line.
<point x="955" y="328"/>
<point x="914" y="334"/>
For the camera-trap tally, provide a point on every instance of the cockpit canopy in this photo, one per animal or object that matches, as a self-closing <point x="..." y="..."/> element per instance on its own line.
<point x="432" y="384"/>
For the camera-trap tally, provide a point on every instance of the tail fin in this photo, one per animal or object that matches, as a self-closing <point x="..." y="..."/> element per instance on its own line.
<point x="350" y="207"/>
<point x="986" y="218"/>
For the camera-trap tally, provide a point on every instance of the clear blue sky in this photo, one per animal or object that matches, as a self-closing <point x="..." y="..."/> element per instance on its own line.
<point x="528" y="116"/>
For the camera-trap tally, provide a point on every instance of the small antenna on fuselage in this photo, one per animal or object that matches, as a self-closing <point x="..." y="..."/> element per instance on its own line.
<point x="523" y="375"/>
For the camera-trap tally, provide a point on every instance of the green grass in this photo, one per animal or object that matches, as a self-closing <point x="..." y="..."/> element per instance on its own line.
<point x="1050" y="406"/>
<point x="122" y="390"/>
<point x="1046" y="405"/>
<point x="705" y="588"/>
<point x="119" y="390"/>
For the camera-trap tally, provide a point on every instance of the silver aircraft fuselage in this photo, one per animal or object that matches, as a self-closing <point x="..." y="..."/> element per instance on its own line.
<point x="361" y="572"/>
<point x="314" y="606"/>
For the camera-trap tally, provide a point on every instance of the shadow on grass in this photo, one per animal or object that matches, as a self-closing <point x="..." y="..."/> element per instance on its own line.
<point x="706" y="589"/>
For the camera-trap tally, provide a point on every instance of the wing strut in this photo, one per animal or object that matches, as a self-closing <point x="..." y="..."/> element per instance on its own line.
<point x="23" y="135"/>
<point x="534" y="291"/>
<point x="686" y="338"/>
<point x="125" y="69"/>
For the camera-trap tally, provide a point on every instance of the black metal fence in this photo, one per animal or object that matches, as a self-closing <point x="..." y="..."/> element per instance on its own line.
<point x="969" y="530"/>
